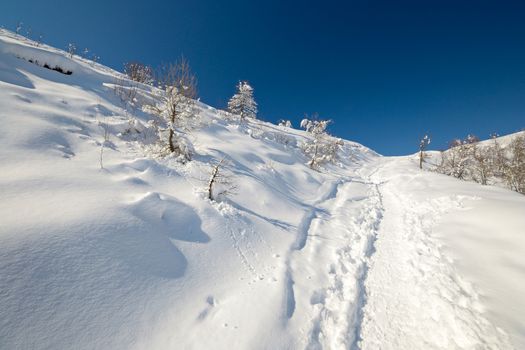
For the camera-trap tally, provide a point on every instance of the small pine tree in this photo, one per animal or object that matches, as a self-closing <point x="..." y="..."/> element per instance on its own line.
<point x="243" y="103"/>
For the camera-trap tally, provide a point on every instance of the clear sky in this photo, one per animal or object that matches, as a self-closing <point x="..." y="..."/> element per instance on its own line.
<point x="384" y="71"/>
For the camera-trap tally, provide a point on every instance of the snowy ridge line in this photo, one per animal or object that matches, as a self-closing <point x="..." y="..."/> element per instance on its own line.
<point x="19" y="45"/>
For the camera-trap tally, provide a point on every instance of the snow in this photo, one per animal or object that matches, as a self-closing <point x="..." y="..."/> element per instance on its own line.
<point x="369" y="253"/>
<point x="450" y="275"/>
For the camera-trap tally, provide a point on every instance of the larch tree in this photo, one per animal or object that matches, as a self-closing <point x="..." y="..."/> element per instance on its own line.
<point x="321" y="148"/>
<point x="175" y="107"/>
<point x="220" y="183"/>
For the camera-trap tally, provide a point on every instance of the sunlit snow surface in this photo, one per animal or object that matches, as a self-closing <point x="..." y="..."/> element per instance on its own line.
<point x="371" y="253"/>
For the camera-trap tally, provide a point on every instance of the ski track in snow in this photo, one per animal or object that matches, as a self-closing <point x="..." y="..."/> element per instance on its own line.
<point x="386" y="285"/>
<point x="341" y="230"/>
<point x="415" y="298"/>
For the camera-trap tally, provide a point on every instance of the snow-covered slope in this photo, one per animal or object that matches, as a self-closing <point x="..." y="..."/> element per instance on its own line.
<point x="368" y="254"/>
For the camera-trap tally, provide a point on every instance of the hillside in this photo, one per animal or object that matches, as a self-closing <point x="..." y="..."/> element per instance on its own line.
<point x="367" y="253"/>
<point x="499" y="161"/>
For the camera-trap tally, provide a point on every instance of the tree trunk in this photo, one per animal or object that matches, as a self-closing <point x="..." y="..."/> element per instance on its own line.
<point x="313" y="161"/>
<point x="214" y="173"/>
<point x="170" y="140"/>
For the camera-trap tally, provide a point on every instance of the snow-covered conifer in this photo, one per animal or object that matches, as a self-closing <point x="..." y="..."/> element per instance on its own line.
<point x="243" y="103"/>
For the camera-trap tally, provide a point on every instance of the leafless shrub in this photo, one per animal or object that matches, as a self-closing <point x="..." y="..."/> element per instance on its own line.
<point x="486" y="163"/>
<point x="71" y="49"/>
<point x="514" y="169"/>
<point x="220" y="183"/>
<point x="127" y="92"/>
<point x="456" y="159"/>
<point x="139" y="72"/>
<point x="497" y="157"/>
<point x="481" y="165"/>
<point x="94" y="59"/>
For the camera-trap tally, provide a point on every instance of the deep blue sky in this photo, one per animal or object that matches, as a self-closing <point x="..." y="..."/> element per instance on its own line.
<point x="384" y="71"/>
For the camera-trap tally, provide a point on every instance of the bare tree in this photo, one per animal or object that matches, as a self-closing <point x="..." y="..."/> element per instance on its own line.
<point x="139" y="72"/>
<point x="94" y="59"/>
<point x="19" y="27"/>
<point x="469" y="160"/>
<point x="482" y="168"/>
<point x="127" y="92"/>
<point x="321" y="148"/>
<point x="514" y="172"/>
<point x="175" y="106"/>
<point x="71" y="49"/>
<point x="220" y="182"/>
<point x="105" y="134"/>
<point x="39" y="40"/>
<point x="497" y="156"/>
<point x="103" y="143"/>
<point x="456" y="159"/>
<point x="423" y="144"/>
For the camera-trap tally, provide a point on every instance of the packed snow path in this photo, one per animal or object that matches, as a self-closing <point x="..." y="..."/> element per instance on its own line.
<point x="369" y="275"/>
<point x="415" y="298"/>
<point x="329" y="270"/>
